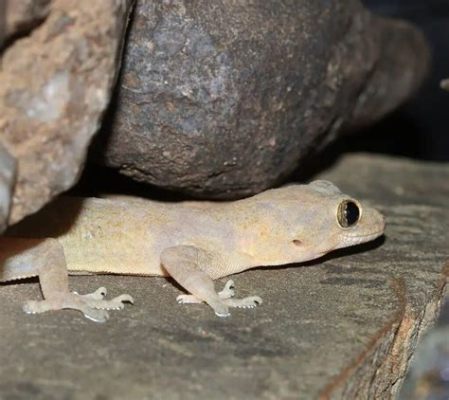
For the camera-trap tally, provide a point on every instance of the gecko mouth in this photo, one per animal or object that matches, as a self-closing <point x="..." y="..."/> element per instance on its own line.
<point x="364" y="238"/>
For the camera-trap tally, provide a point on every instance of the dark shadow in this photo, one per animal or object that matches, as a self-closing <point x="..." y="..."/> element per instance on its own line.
<point x="54" y="220"/>
<point x="2" y="22"/>
<point x="97" y="181"/>
<point x="423" y="122"/>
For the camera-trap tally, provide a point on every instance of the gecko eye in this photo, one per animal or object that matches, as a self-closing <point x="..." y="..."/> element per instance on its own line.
<point x="348" y="213"/>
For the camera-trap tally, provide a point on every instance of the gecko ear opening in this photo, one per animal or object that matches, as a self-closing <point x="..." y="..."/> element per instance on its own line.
<point x="297" y="242"/>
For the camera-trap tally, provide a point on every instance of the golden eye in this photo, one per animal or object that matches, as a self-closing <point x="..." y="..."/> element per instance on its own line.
<point x="348" y="213"/>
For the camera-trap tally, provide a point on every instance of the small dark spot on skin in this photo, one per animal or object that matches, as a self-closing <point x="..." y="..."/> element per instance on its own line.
<point x="297" y="242"/>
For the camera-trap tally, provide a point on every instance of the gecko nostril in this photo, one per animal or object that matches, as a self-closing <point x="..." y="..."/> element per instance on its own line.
<point x="297" y="242"/>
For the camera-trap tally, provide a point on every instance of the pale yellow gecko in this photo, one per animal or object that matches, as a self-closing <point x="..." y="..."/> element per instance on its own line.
<point x="193" y="242"/>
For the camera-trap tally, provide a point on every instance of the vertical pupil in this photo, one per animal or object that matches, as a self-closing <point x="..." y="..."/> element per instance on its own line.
<point x="351" y="213"/>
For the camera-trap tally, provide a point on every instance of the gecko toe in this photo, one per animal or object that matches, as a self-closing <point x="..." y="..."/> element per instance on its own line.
<point x="228" y="290"/>
<point x="31" y="307"/>
<point x="99" y="294"/>
<point x="117" y="303"/>
<point x="124" y="298"/>
<point x="95" y="314"/>
<point x="187" y="299"/>
<point x="254" y="301"/>
<point x="222" y="314"/>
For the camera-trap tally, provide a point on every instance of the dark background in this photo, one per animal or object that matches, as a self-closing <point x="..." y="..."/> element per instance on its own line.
<point x="420" y="129"/>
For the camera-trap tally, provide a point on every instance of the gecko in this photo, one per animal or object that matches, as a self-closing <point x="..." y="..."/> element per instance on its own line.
<point x="193" y="242"/>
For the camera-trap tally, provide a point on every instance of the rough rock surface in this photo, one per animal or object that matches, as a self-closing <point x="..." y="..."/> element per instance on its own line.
<point x="342" y="327"/>
<point x="55" y="84"/>
<point x="8" y="173"/>
<point x="223" y="99"/>
<point x="19" y="16"/>
<point x="427" y="377"/>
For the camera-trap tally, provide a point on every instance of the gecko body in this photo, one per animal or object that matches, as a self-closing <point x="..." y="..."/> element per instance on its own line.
<point x="193" y="242"/>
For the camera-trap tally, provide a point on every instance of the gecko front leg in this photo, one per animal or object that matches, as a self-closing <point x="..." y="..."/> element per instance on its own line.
<point x="188" y="265"/>
<point x="25" y="258"/>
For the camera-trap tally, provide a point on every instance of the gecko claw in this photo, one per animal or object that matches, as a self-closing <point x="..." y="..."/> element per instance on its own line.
<point x="228" y="290"/>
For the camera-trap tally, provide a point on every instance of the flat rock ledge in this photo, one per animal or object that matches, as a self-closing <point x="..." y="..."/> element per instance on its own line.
<point x="343" y="327"/>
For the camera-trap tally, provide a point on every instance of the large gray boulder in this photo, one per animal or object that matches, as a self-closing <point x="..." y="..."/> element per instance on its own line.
<point x="224" y="99"/>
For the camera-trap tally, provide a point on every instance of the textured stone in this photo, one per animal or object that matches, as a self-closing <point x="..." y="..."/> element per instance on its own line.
<point x="55" y="84"/>
<point x="223" y="99"/>
<point x="8" y="173"/>
<point x="20" y="16"/>
<point x="342" y="327"/>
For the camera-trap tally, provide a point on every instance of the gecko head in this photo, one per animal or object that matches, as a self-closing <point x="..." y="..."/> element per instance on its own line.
<point x="312" y="220"/>
<point x="336" y="220"/>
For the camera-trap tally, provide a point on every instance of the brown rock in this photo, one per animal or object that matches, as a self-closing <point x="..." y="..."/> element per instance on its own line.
<point x="223" y="99"/>
<point x="19" y="16"/>
<point x="54" y="86"/>
<point x="8" y="173"/>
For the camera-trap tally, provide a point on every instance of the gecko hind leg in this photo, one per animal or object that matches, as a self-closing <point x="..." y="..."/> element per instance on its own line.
<point x="24" y="258"/>
<point x="188" y="266"/>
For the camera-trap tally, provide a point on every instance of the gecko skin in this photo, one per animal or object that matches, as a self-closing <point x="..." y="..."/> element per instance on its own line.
<point x="193" y="242"/>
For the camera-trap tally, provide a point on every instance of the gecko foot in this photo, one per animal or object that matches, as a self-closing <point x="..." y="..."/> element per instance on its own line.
<point x="221" y="303"/>
<point x="92" y="305"/>
<point x="227" y="292"/>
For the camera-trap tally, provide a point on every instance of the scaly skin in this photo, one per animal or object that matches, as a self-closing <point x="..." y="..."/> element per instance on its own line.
<point x="196" y="242"/>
